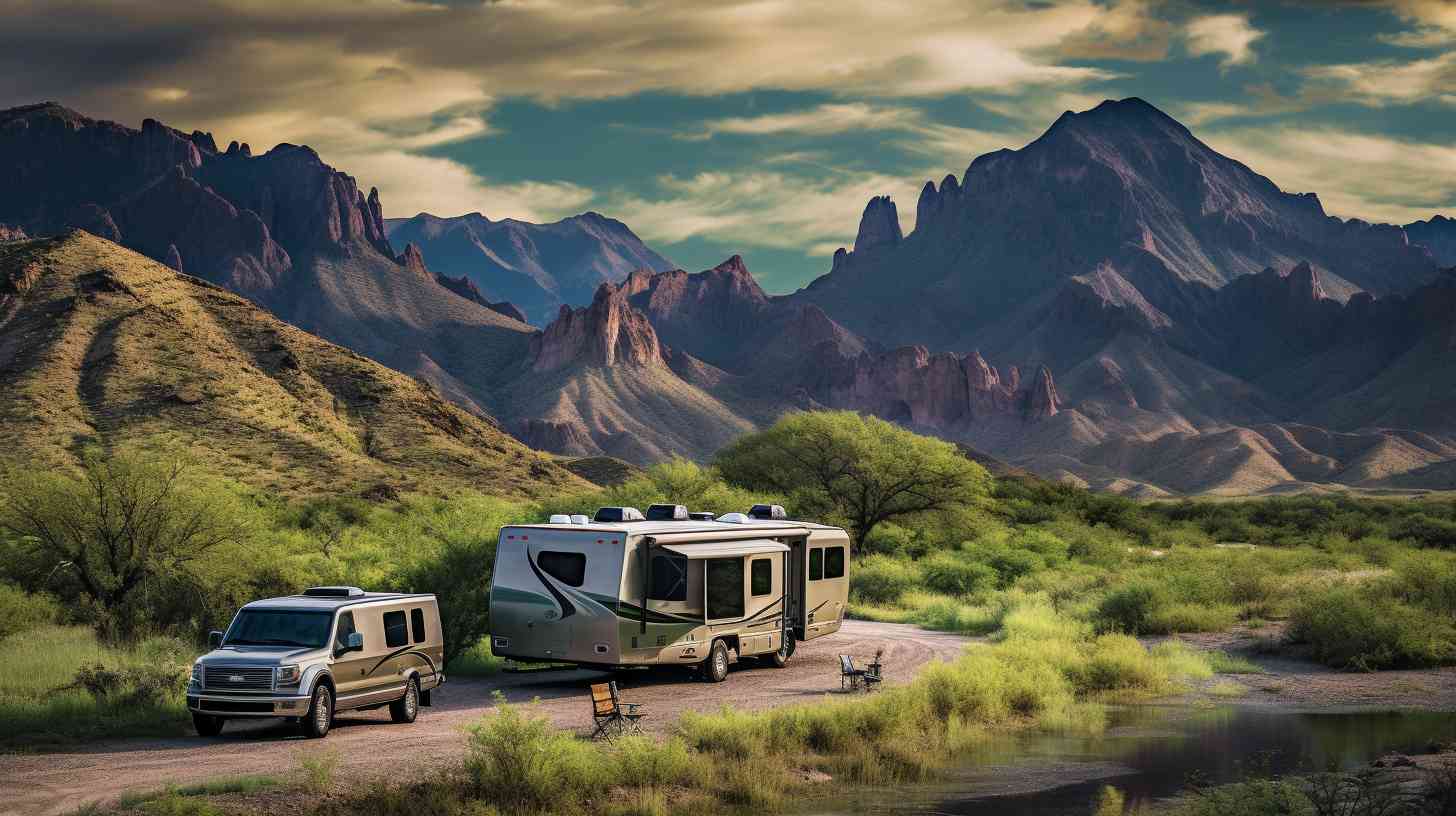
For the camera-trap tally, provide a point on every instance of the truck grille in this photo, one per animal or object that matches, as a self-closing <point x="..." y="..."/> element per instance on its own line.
<point x="237" y="678"/>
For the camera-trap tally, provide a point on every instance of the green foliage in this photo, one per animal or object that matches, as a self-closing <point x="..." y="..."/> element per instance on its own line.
<point x="860" y="469"/>
<point x="1355" y="628"/>
<point x="1109" y="802"/>
<point x="882" y="579"/>
<point x="956" y="574"/>
<point x="524" y="765"/>
<point x="21" y="611"/>
<point x="126" y="521"/>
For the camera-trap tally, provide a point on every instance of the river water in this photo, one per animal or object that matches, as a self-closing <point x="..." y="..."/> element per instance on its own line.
<point x="1152" y="753"/>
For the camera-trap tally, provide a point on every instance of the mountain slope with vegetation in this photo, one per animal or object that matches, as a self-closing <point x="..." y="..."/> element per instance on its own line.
<point x="100" y="346"/>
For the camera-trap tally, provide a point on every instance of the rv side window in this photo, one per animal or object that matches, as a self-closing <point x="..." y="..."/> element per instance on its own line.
<point x="833" y="562"/>
<point x="669" y="578"/>
<point x="724" y="588"/>
<point x="761" y="577"/>
<point x="346" y="628"/>
<point x="567" y="567"/>
<point x="816" y="564"/>
<point x="417" y="623"/>
<point x="395" y="634"/>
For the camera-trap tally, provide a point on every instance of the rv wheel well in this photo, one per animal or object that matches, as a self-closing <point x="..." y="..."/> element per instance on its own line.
<point x="731" y="641"/>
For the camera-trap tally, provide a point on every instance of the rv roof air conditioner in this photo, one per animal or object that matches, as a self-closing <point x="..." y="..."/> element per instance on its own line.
<point x="618" y="514"/>
<point x="695" y="516"/>
<point x="733" y="518"/>
<point x="667" y="512"/>
<point x="333" y="592"/>
<point x="559" y="518"/>
<point x="579" y="518"/>
<point x="767" y="511"/>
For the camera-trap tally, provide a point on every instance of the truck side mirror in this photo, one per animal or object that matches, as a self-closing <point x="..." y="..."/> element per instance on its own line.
<point x="354" y="642"/>
<point x="214" y="639"/>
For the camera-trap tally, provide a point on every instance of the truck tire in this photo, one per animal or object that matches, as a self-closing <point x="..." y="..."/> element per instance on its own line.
<point x="715" y="670"/>
<point x="320" y="717"/>
<point x="207" y="725"/>
<point x="406" y="708"/>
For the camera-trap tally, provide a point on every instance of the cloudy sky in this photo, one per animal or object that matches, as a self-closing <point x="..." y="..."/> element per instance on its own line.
<point x="754" y="126"/>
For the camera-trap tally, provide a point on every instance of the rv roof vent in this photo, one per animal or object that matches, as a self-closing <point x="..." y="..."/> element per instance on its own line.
<point x="767" y="511"/>
<point x="559" y="518"/>
<point x="701" y="516"/>
<point x="614" y="514"/>
<point x="667" y="512"/>
<point x="578" y="518"/>
<point x="733" y="518"/>
<point x="334" y="592"/>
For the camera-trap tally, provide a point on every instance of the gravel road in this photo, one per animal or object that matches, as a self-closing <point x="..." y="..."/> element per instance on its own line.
<point x="369" y="745"/>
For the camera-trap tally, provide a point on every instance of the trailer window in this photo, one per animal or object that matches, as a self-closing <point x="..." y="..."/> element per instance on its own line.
<point x="816" y="564"/>
<point x="417" y="623"/>
<point x="833" y="562"/>
<point x="724" y="588"/>
<point x="761" y="577"/>
<point x="669" y="578"/>
<point x="567" y="567"/>
<point x="395" y="633"/>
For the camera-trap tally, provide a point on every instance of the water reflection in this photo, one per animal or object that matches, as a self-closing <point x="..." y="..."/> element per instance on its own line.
<point x="1151" y="753"/>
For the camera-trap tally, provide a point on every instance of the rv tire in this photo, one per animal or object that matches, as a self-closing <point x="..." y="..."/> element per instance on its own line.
<point x="780" y="658"/>
<point x="206" y="724"/>
<point x="715" y="670"/>
<point x="406" y="708"/>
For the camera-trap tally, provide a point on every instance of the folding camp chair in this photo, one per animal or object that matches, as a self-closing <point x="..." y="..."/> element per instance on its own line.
<point x="612" y="716"/>
<point x="855" y="679"/>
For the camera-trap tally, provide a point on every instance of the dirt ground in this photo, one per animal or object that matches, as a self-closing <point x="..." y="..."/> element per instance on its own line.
<point x="1290" y="681"/>
<point x="369" y="745"/>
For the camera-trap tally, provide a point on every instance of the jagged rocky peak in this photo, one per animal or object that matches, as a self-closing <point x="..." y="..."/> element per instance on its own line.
<point x="933" y="202"/>
<point x="412" y="260"/>
<point x="1041" y="399"/>
<point x="1304" y="283"/>
<point x="879" y="226"/>
<point x="609" y="332"/>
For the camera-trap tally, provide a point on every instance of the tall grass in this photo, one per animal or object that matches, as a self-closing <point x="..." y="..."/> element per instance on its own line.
<point x="40" y="703"/>
<point x="1043" y="671"/>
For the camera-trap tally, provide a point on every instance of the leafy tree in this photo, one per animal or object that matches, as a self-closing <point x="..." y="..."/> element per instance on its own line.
<point x="859" y="469"/>
<point x="123" y="521"/>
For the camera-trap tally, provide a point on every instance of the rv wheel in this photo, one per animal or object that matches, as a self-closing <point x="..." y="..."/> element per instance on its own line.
<point x="780" y="658"/>
<point x="716" y="670"/>
<point x="406" y="708"/>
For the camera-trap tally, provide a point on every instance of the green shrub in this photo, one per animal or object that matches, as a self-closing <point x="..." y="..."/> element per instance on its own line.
<point x="1348" y="627"/>
<point x="882" y="579"/>
<point x="957" y="575"/>
<point x="20" y="611"/>
<point x="521" y="763"/>
<point x="889" y="539"/>
<point x="1131" y="608"/>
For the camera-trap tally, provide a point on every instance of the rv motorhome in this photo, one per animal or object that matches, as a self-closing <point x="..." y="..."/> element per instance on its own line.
<point x="627" y="590"/>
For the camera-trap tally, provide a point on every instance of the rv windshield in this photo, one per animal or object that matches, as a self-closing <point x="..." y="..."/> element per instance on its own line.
<point x="279" y="627"/>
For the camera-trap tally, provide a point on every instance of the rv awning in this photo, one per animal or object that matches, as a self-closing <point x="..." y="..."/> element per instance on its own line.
<point x="726" y="549"/>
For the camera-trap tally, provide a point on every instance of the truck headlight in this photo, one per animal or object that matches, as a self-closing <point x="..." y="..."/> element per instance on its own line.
<point x="287" y="675"/>
<point x="197" y="673"/>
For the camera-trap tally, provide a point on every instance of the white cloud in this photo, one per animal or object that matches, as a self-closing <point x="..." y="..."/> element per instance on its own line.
<point x="1356" y="175"/>
<point x="1393" y="82"/>
<point x="1195" y="114"/>
<point x="820" y="120"/>
<point x="1228" y="34"/>
<point x="766" y="209"/>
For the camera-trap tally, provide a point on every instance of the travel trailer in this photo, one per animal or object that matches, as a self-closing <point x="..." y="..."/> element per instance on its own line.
<point x="305" y="657"/>
<point x="668" y="588"/>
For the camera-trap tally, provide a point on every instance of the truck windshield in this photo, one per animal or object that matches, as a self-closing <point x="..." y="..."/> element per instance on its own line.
<point x="279" y="627"/>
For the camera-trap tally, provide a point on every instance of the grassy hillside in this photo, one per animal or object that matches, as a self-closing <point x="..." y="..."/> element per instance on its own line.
<point x="102" y="346"/>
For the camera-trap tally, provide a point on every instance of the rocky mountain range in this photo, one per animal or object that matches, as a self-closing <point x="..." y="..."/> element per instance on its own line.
<point x="102" y="346"/>
<point x="537" y="267"/>
<point x="1115" y="304"/>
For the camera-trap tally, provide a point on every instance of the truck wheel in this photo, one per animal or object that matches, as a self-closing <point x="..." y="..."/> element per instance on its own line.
<point x="780" y="658"/>
<point x="320" y="717"/>
<point x="206" y="724"/>
<point x="716" y="670"/>
<point x="406" y="708"/>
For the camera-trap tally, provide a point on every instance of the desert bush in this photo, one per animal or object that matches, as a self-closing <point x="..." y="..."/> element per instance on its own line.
<point x="957" y="575"/>
<point x="1354" y="628"/>
<point x="522" y="764"/>
<point x="881" y="579"/>
<point x="1131" y="608"/>
<point x="21" y="610"/>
